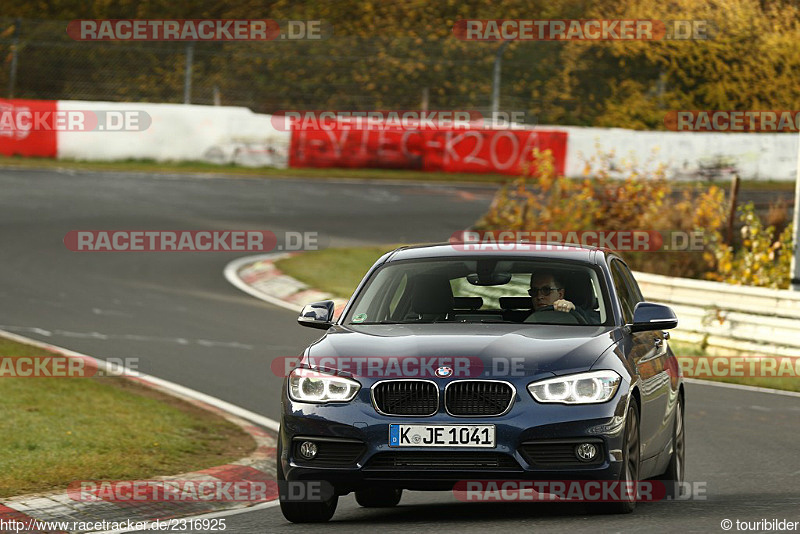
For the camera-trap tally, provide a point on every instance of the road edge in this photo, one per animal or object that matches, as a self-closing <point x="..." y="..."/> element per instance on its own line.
<point x="260" y="465"/>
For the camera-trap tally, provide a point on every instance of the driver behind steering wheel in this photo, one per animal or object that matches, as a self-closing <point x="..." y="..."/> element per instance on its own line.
<point x="547" y="289"/>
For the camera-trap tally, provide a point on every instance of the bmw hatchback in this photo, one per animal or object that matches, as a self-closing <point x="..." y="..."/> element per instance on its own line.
<point x="448" y="366"/>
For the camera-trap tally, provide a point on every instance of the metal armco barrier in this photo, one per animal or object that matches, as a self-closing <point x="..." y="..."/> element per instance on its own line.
<point x="729" y="319"/>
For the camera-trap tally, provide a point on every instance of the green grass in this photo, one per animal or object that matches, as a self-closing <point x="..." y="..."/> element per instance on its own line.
<point x="190" y="167"/>
<point x="59" y="430"/>
<point x="339" y="271"/>
<point x="334" y="270"/>
<point x="247" y="172"/>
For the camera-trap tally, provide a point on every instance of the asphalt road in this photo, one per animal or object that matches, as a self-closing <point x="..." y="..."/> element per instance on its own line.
<point x="176" y="313"/>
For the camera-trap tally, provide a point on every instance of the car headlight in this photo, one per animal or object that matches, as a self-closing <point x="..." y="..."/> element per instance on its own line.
<point x="309" y="385"/>
<point x="583" y="388"/>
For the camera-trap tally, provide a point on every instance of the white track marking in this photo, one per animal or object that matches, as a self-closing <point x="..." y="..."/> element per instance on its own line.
<point x="171" y="387"/>
<point x="231" y="274"/>
<point x="753" y="389"/>
<point x="212" y="515"/>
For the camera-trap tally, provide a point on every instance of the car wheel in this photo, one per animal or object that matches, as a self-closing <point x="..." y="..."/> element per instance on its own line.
<point x="309" y="512"/>
<point x="674" y="475"/>
<point x="631" y="459"/>
<point x="379" y="498"/>
<point x="304" y="512"/>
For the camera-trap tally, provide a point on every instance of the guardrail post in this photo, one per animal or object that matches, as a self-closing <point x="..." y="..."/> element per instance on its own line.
<point x="12" y="74"/>
<point x="187" y="78"/>
<point x="732" y="207"/>
<point x="796" y="226"/>
<point x="498" y="59"/>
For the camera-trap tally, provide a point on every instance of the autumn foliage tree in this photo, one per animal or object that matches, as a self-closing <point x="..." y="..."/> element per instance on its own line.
<point x="386" y="55"/>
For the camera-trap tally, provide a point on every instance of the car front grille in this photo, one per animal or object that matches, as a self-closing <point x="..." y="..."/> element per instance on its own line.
<point x="406" y="397"/>
<point x="442" y="461"/>
<point x="478" y="398"/>
<point x="559" y="453"/>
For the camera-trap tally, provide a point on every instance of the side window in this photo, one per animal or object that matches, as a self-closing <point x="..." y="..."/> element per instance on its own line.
<point x="626" y="300"/>
<point x="636" y="293"/>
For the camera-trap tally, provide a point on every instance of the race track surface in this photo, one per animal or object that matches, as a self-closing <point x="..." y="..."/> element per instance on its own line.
<point x="185" y="323"/>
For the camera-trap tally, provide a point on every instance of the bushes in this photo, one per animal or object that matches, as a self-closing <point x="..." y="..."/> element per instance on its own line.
<point x="764" y="258"/>
<point x="609" y="199"/>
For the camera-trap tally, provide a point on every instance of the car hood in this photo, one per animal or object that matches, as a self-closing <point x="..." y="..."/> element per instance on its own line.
<point x="538" y="349"/>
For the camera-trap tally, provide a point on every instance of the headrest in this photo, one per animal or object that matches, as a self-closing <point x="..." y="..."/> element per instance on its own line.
<point x="578" y="289"/>
<point x="516" y="303"/>
<point x="432" y="294"/>
<point x="467" y="303"/>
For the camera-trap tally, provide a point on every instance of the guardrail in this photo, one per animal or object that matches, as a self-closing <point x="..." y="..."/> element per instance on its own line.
<point x="726" y="318"/>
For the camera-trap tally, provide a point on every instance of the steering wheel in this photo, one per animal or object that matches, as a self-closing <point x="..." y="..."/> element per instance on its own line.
<point x="549" y="315"/>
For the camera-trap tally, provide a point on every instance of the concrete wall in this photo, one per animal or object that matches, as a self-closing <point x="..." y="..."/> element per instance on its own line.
<point x="761" y="156"/>
<point x="216" y="134"/>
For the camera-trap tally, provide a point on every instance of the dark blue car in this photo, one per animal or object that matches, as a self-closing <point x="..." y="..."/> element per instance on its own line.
<point x="448" y="366"/>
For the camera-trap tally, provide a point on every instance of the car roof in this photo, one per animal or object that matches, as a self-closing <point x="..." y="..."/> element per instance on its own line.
<point x="553" y="251"/>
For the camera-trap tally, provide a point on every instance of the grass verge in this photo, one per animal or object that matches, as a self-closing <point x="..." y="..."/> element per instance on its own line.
<point x="59" y="430"/>
<point x="334" y="270"/>
<point x="339" y="271"/>
<point x="248" y="172"/>
<point x="191" y="167"/>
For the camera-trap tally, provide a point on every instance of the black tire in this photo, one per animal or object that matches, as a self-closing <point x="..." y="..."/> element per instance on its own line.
<point x="304" y="512"/>
<point x="631" y="459"/>
<point x="309" y="512"/>
<point x="379" y="498"/>
<point x="674" y="475"/>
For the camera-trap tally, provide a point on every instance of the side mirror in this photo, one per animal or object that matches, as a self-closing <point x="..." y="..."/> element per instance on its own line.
<point x="651" y="316"/>
<point x="317" y="315"/>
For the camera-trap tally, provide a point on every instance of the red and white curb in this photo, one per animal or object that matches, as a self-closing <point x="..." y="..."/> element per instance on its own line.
<point x="258" y="276"/>
<point x="60" y="506"/>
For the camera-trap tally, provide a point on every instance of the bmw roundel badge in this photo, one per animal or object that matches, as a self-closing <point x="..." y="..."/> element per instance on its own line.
<point x="444" y="372"/>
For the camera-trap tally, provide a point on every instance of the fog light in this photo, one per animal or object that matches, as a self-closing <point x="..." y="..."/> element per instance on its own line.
<point x="586" y="452"/>
<point x="308" y="450"/>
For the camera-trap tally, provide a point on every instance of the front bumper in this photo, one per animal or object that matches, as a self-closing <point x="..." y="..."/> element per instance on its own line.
<point x="533" y="442"/>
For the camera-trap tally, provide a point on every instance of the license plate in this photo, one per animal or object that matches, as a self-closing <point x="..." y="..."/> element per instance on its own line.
<point x="441" y="436"/>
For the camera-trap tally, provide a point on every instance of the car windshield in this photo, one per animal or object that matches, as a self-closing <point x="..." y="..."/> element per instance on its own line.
<point x="483" y="290"/>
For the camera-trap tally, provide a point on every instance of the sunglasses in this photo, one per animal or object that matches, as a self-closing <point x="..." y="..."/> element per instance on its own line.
<point x="542" y="290"/>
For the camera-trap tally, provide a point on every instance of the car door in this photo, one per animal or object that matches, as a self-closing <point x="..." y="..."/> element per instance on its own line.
<point x="648" y="353"/>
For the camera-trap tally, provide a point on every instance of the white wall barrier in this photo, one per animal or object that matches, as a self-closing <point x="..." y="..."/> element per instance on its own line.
<point x="687" y="155"/>
<point x="225" y="134"/>
<point x="729" y="318"/>
<point x="216" y="134"/>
